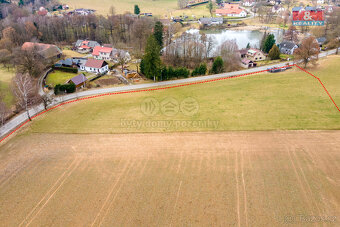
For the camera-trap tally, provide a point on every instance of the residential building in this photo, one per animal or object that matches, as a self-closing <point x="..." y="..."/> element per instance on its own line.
<point x="95" y="66"/>
<point x="255" y="55"/>
<point x="83" y="12"/>
<point x="278" y="9"/>
<point x="85" y="46"/>
<point x="321" y="41"/>
<point x="246" y="63"/>
<point x="79" y="81"/>
<point x="210" y="21"/>
<point x="248" y="3"/>
<point x="243" y="53"/>
<point x="79" y="61"/>
<point x="287" y="47"/>
<point x="117" y="53"/>
<point x="231" y="10"/>
<point x="47" y="51"/>
<point x="65" y="63"/>
<point x="102" y="53"/>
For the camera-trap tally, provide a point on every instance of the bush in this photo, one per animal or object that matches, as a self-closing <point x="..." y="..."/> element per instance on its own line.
<point x="218" y="66"/>
<point x="167" y="73"/>
<point x="200" y="70"/>
<point x="274" y="53"/>
<point x="66" y="69"/>
<point x="64" y="88"/>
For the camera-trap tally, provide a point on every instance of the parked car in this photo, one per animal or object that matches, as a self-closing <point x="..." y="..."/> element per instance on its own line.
<point x="276" y="70"/>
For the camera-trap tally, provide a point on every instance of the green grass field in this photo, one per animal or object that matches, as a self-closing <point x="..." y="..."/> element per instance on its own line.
<point x="157" y="7"/>
<point x="59" y="77"/>
<point x="5" y="83"/>
<point x="285" y="101"/>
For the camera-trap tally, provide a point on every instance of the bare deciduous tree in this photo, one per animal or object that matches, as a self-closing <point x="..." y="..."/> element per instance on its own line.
<point x="29" y="61"/>
<point x="229" y="53"/>
<point x="25" y="92"/>
<point x="182" y="3"/>
<point x="122" y="59"/>
<point x="46" y="100"/>
<point x="308" y="52"/>
<point x="4" y="111"/>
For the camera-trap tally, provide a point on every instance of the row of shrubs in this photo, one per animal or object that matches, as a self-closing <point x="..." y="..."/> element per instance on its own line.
<point x="168" y="73"/>
<point x="66" y="69"/>
<point x="64" y="88"/>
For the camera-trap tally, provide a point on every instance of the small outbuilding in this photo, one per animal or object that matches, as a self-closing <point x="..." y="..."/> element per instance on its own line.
<point x="79" y="81"/>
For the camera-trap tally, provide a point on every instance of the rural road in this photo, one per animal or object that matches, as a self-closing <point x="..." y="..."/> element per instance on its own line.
<point x="21" y="118"/>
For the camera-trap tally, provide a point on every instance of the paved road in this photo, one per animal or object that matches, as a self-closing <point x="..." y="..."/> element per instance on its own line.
<point x="19" y="119"/>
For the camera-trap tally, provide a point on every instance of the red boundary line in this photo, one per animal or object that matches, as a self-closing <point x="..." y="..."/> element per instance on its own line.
<point x="164" y="88"/>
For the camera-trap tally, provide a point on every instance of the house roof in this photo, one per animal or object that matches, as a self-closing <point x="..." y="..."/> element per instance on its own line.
<point x="246" y="61"/>
<point x="81" y="78"/>
<point x="231" y="6"/>
<point x="287" y="45"/>
<point x="67" y="62"/>
<point x="243" y="51"/>
<point x="99" y="49"/>
<point x="207" y="20"/>
<point x="86" y="43"/>
<point x="94" y="63"/>
<point x="46" y="50"/>
<point x="297" y="8"/>
<point x="253" y="51"/>
<point x="321" y="40"/>
<point x="229" y="11"/>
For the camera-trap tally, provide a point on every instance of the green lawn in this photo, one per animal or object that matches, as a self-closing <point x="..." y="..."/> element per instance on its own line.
<point x="5" y="83"/>
<point x="59" y="77"/>
<point x="159" y="8"/>
<point x="285" y="101"/>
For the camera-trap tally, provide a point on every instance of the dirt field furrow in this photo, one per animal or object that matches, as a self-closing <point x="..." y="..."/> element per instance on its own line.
<point x="171" y="179"/>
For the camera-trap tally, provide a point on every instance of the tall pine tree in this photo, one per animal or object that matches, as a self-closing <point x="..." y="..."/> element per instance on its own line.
<point x="151" y="60"/>
<point x="137" y="10"/>
<point x="158" y="33"/>
<point x="269" y="43"/>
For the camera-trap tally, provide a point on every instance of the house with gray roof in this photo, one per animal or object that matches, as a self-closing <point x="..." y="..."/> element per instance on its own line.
<point x="79" y="81"/>
<point x="287" y="47"/>
<point x="85" y="46"/>
<point x="211" y="21"/>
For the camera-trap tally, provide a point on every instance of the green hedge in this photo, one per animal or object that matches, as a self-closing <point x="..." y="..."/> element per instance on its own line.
<point x="64" y="88"/>
<point x="66" y="69"/>
<point x="169" y="72"/>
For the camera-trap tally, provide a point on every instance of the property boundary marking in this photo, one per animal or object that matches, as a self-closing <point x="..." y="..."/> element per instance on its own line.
<point x="164" y="88"/>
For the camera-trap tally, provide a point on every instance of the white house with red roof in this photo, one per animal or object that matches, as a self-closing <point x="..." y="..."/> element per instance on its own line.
<point x="102" y="53"/>
<point x="231" y="10"/>
<point x="95" y="66"/>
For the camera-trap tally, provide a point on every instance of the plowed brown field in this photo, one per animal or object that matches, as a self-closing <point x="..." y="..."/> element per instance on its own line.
<point x="171" y="179"/>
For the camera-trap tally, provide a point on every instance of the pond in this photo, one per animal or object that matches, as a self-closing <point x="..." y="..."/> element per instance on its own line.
<point x="242" y="37"/>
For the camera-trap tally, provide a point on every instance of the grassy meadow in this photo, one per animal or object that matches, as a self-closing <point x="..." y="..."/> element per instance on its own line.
<point x="161" y="8"/>
<point x="5" y="85"/>
<point x="290" y="100"/>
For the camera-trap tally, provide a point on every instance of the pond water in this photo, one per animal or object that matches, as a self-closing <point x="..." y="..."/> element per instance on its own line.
<point x="242" y="37"/>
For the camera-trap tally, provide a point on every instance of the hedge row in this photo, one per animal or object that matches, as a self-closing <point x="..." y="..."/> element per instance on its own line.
<point x="66" y="69"/>
<point x="64" y="88"/>
<point x="169" y="72"/>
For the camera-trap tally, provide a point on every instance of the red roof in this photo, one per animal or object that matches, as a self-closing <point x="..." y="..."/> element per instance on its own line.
<point x="99" y="49"/>
<point x="228" y="11"/>
<point x="94" y="63"/>
<point x="85" y="47"/>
